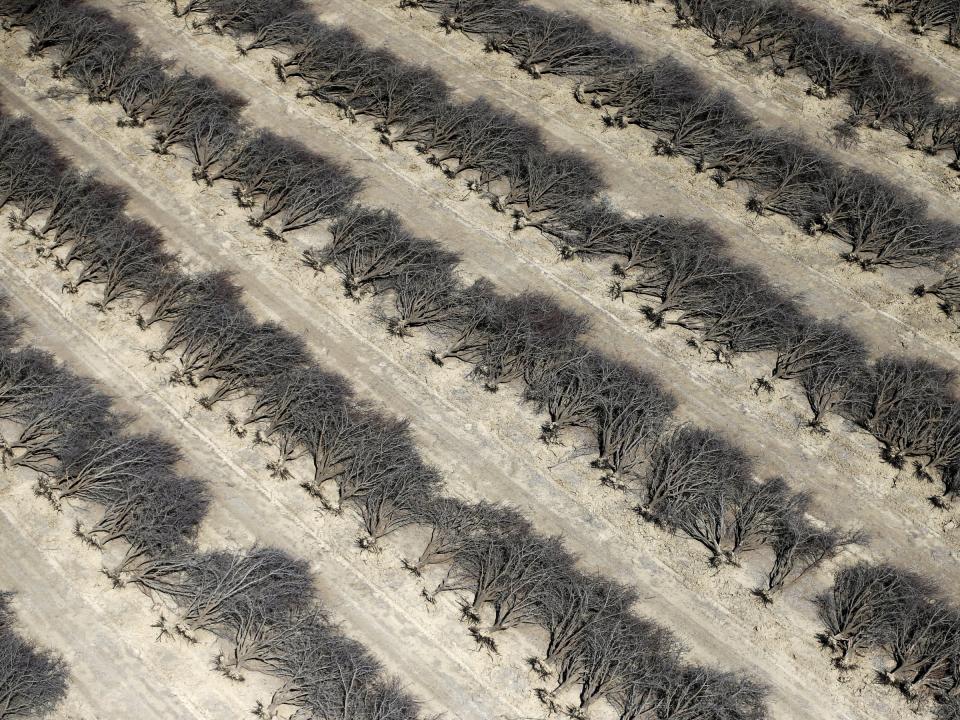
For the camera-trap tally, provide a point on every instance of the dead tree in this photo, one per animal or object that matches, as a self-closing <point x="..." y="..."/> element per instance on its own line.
<point x="396" y="501"/>
<point x="383" y="458"/>
<point x="696" y="692"/>
<point x="155" y="515"/>
<point x="33" y="680"/>
<point x="96" y="468"/>
<point x="799" y="547"/>
<point x="80" y="207"/>
<point x="946" y="290"/>
<point x="575" y="608"/>
<point x="568" y="391"/>
<point x="759" y="514"/>
<point x="453" y="522"/>
<point x="604" y="660"/>
<point x="422" y="296"/>
<point x="11" y="327"/>
<point x="218" y="581"/>
<point x="831" y="385"/>
<point x="694" y="483"/>
<point x="510" y="571"/>
<point x="479" y="17"/>
<point x="480" y="139"/>
<point x="923" y="645"/>
<point x="466" y="332"/>
<point x="547" y="184"/>
<point x="890" y="95"/>
<point x="125" y="256"/>
<point x="370" y="248"/>
<point x="26" y="377"/>
<point x="861" y="609"/>
<point x="548" y="42"/>
<point x="44" y="419"/>
<point x="174" y="294"/>
<point x="587" y="229"/>
<point x="29" y="167"/>
<point x="810" y="343"/>
<point x="531" y="336"/>
<point x="631" y="413"/>
<point x="902" y="402"/>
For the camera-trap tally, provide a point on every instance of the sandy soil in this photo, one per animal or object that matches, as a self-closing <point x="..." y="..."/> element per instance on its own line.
<point x="484" y="446"/>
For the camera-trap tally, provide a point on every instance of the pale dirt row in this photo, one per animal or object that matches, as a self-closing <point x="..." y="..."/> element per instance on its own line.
<point x="707" y="392"/>
<point x="409" y="402"/>
<point x="376" y="602"/>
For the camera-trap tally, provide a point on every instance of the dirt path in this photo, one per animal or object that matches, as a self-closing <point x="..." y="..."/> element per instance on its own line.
<point x="456" y="440"/>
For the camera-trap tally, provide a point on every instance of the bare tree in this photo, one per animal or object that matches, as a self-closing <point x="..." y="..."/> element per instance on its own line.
<point x="423" y="296"/>
<point x="546" y="42"/>
<point x="467" y="330"/>
<point x="125" y="256"/>
<point x="864" y="605"/>
<point x="700" y="692"/>
<point x="694" y="483"/>
<point x="902" y="402"/>
<point x="174" y="294"/>
<point x="453" y="522"/>
<point x="29" y="167"/>
<point x="946" y="290"/>
<point x="924" y="642"/>
<point x="220" y="580"/>
<point x="33" y="681"/>
<point x="799" y="548"/>
<point x="396" y="501"/>
<point x="631" y="413"/>
<point x="810" y="343"/>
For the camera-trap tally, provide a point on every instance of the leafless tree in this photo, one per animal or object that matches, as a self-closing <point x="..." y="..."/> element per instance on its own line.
<point x="466" y="331"/>
<point x="511" y="571"/>
<point x="547" y="42"/>
<point x="700" y="692"/>
<point x="96" y="468"/>
<point x="831" y="385"/>
<point x="11" y="327"/>
<point x="631" y="413"/>
<point x="759" y="514"/>
<point x="576" y="607"/>
<point x="568" y="391"/>
<point x="452" y="522"/>
<point x="924" y="642"/>
<point x="29" y="167"/>
<point x="902" y="401"/>
<point x="396" y="501"/>
<point x="218" y="581"/>
<point x="80" y="207"/>
<point x="694" y="483"/>
<point x="810" y="343"/>
<point x="863" y="606"/>
<point x="478" y="17"/>
<point x="423" y="296"/>
<point x="547" y="183"/>
<point x="531" y="336"/>
<point x="174" y="294"/>
<point x="946" y="290"/>
<point x="33" y="680"/>
<point x="125" y="256"/>
<point x="800" y="547"/>
<point x="70" y="403"/>
<point x="154" y="514"/>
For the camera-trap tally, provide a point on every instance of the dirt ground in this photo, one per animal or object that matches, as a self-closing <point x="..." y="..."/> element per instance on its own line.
<point x="485" y="445"/>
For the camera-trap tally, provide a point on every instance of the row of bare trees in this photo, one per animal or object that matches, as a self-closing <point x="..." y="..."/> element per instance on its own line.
<point x="33" y="681"/>
<point x="359" y="459"/>
<point x="880" y="608"/>
<point x="678" y="268"/>
<point x="259" y="602"/>
<point x="882" y="224"/>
